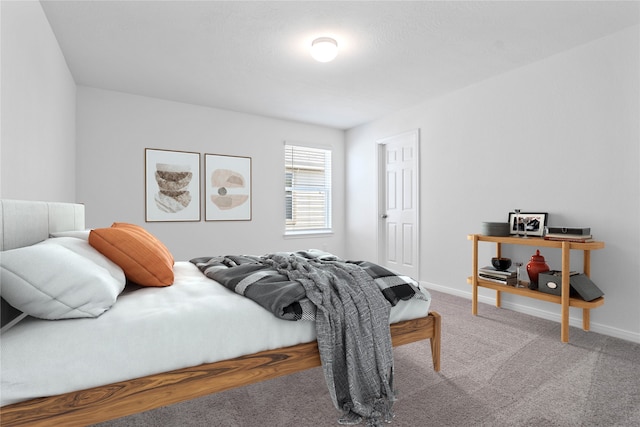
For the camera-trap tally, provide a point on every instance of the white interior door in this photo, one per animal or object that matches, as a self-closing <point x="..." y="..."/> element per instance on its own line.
<point x="398" y="213"/>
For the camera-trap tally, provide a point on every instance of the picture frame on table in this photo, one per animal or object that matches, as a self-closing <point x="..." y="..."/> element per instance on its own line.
<point x="535" y="223"/>
<point x="227" y="182"/>
<point x="172" y="185"/>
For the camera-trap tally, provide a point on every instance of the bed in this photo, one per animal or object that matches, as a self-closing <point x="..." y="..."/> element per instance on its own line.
<point x="151" y="346"/>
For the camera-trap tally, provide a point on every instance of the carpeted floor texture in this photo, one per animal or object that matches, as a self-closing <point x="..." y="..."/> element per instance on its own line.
<point x="500" y="368"/>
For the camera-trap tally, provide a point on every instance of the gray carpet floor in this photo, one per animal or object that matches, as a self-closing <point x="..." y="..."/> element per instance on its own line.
<point x="500" y="368"/>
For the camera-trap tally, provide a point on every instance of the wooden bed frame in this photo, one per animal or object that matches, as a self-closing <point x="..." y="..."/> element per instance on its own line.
<point x="142" y="394"/>
<point x="124" y="398"/>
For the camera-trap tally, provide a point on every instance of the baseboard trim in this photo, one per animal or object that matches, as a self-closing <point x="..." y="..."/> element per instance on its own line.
<point x="544" y="314"/>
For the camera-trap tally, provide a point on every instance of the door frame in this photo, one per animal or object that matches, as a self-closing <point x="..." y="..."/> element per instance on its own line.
<point x="381" y="191"/>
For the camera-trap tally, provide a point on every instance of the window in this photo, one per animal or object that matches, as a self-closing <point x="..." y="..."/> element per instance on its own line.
<point x="307" y="189"/>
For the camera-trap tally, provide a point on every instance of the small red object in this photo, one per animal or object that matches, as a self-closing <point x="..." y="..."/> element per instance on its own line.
<point x="536" y="266"/>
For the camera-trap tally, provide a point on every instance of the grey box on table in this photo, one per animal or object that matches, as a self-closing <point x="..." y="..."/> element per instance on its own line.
<point x="581" y="285"/>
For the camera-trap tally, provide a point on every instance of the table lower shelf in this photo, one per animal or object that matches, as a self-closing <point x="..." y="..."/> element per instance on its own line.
<point x="573" y="302"/>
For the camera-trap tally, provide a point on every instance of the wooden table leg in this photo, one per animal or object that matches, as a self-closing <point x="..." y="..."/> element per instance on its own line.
<point x="586" y="313"/>
<point x="566" y="290"/>
<point x="474" y="277"/>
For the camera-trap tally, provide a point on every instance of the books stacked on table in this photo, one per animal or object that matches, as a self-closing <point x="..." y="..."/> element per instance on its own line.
<point x="505" y="277"/>
<point x="569" y="234"/>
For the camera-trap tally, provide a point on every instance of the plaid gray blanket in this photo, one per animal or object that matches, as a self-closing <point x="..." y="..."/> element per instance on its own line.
<point x="254" y="278"/>
<point x="350" y="303"/>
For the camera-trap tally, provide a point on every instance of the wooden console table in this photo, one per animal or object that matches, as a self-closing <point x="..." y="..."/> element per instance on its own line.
<point x="564" y="299"/>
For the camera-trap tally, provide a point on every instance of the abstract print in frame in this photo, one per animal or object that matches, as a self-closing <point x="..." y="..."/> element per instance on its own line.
<point x="172" y="185"/>
<point x="227" y="188"/>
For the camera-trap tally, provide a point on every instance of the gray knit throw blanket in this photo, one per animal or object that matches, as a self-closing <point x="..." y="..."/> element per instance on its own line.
<point x="352" y="328"/>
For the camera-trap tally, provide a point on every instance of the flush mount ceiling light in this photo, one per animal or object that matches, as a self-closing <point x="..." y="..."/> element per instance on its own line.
<point x="324" y="49"/>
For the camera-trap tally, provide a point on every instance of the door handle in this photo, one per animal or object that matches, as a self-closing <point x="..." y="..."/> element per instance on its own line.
<point x="383" y="216"/>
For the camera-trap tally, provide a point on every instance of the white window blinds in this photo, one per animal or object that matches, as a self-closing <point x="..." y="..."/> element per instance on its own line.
<point x="307" y="189"/>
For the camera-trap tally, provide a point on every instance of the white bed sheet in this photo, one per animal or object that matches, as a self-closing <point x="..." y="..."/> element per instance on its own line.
<point x="149" y="331"/>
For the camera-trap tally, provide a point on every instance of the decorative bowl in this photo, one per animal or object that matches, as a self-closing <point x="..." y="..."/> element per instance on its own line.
<point x="495" y="229"/>
<point x="501" y="264"/>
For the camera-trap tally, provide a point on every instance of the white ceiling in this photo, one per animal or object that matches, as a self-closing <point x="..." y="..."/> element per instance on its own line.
<point x="253" y="56"/>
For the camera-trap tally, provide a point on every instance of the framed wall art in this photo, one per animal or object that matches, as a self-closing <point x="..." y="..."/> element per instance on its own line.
<point x="534" y="223"/>
<point x="172" y="185"/>
<point x="227" y="188"/>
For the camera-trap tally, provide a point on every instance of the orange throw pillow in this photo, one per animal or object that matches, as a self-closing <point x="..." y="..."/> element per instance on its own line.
<point x="159" y="244"/>
<point x="145" y="260"/>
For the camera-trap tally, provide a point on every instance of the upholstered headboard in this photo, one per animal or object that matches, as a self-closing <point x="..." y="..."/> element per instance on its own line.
<point x="24" y="223"/>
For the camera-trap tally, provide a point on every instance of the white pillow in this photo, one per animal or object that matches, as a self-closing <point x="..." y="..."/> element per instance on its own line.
<point x="59" y="278"/>
<point x="78" y="234"/>
<point x="84" y="249"/>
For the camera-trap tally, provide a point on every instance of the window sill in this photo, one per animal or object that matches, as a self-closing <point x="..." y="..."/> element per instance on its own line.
<point x="305" y="234"/>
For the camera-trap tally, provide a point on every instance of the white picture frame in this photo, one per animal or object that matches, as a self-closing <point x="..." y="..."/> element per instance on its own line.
<point x="172" y="185"/>
<point x="227" y="183"/>
<point x="535" y="224"/>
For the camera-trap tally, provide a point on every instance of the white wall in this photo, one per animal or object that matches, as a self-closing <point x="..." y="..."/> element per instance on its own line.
<point x="558" y="136"/>
<point x="113" y="129"/>
<point x="37" y="140"/>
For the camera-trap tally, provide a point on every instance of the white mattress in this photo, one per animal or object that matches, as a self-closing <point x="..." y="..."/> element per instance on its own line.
<point x="149" y="331"/>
